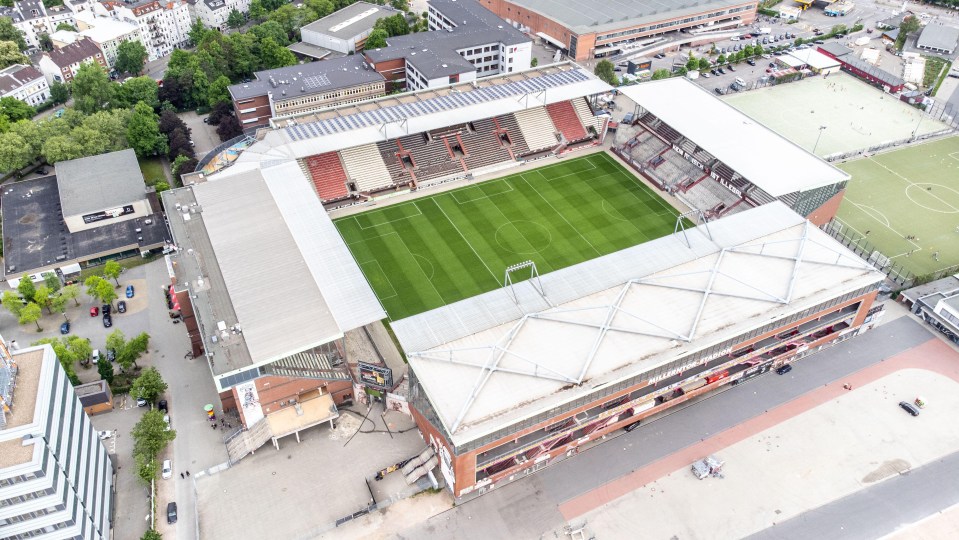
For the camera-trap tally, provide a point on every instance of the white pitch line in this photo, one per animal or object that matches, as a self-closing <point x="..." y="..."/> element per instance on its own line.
<point x="560" y="214"/>
<point x="436" y="201"/>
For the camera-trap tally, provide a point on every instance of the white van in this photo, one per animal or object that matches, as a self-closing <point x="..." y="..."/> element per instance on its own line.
<point x="740" y="82"/>
<point x="96" y="355"/>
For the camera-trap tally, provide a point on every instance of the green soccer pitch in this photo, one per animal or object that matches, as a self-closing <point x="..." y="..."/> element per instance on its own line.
<point x="905" y="204"/>
<point x="429" y="252"/>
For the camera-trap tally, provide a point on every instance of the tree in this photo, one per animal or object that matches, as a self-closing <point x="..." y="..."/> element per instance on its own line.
<point x="26" y="288"/>
<point x="748" y="50"/>
<point x="180" y="145"/>
<point x="758" y="50"/>
<point x="51" y="281"/>
<point x="235" y="19"/>
<point x="31" y="314"/>
<point x="71" y="292"/>
<point x="150" y="434"/>
<point x="91" y="87"/>
<point x="219" y="91"/>
<point x="908" y="25"/>
<point x="64" y="355"/>
<point x="149" y="385"/>
<point x="693" y="63"/>
<point x="61" y="148"/>
<point x="161" y="186"/>
<point x="143" y="132"/>
<point x="198" y="32"/>
<point x="79" y="347"/>
<point x="229" y="127"/>
<point x="42" y="297"/>
<point x="15" y="153"/>
<point x="704" y="64"/>
<point x="606" y="71"/>
<point x="151" y="534"/>
<point x="105" y="369"/>
<point x="10" y="54"/>
<point x="137" y="346"/>
<point x="8" y="32"/>
<point x="272" y="55"/>
<point x="67" y="26"/>
<point x="220" y="110"/>
<point x="534" y="62"/>
<point x="147" y="467"/>
<point x="117" y="342"/>
<point x="661" y="74"/>
<point x="106" y="292"/>
<point x="185" y="167"/>
<point x="402" y="5"/>
<point x="377" y="40"/>
<point x="137" y="89"/>
<point x="257" y="11"/>
<point x="394" y="25"/>
<point x="721" y="60"/>
<point x="44" y="41"/>
<point x="270" y="29"/>
<point x="16" y="110"/>
<point x="11" y="301"/>
<point x="112" y="270"/>
<point x="170" y="122"/>
<point x="59" y="304"/>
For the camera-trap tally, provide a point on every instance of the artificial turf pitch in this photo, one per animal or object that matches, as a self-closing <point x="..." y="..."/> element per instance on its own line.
<point x="432" y="251"/>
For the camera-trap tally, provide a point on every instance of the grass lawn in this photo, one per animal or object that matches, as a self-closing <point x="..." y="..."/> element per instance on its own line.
<point x="911" y="192"/>
<point x="433" y="251"/>
<point x="152" y="169"/>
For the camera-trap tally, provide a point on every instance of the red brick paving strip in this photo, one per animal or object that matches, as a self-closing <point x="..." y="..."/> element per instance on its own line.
<point x="933" y="355"/>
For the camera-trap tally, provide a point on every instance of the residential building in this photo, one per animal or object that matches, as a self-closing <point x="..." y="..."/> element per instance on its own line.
<point x="163" y="26"/>
<point x="30" y="17"/>
<point x="346" y="30"/>
<point x="585" y="30"/>
<point x="63" y="63"/>
<point x="465" y="41"/>
<point x="214" y="13"/>
<point x="95" y="208"/>
<point x="304" y="88"/>
<point x="56" y="477"/>
<point x="938" y="38"/>
<point x="25" y="83"/>
<point x="108" y="33"/>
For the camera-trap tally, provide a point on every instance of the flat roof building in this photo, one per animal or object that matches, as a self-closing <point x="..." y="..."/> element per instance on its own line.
<point x="510" y="380"/>
<point x="938" y="38"/>
<point x="56" y="477"/>
<point x="346" y="30"/>
<point x="937" y="303"/>
<point x="96" y="208"/>
<point x="585" y="29"/>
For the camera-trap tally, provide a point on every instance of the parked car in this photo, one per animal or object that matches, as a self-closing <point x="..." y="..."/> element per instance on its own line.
<point x="660" y="56"/>
<point x="722" y="71"/>
<point x="129" y="291"/>
<point x="166" y="418"/>
<point x="122" y="306"/>
<point x="103" y="435"/>
<point x="42" y="170"/>
<point x="94" y="311"/>
<point x="731" y="68"/>
<point x="141" y="402"/>
<point x="106" y="309"/>
<point x="909" y="408"/>
<point x="751" y="62"/>
<point x="95" y="355"/>
<point x="111" y="356"/>
<point x="784" y="369"/>
<point x="162" y="405"/>
<point x="632" y="426"/>
<point x="65" y="328"/>
<point x="706" y="75"/>
<point x="167" y="469"/>
<point x="107" y="320"/>
<point x="171" y="513"/>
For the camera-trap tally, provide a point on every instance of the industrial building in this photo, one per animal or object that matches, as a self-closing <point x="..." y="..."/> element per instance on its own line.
<point x="938" y="38"/>
<point x="936" y="303"/>
<point x="342" y="32"/>
<point x="56" y="477"/>
<point x="585" y="29"/>
<point x="507" y="382"/>
<point x="95" y="208"/>
<point x="862" y="69"/>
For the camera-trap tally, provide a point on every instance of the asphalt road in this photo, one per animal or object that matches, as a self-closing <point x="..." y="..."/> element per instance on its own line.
<point x="527" y="508"/>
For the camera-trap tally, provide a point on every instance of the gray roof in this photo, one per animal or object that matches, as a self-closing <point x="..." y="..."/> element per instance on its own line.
<point x="26" y="8"/>
<point x="100" y="182"/>
<point x="866" y="67"/>
<point x="78" y="51"/>
<point x="351" y="21"/>
<point x="35" y="236"/>
<point x="590" y="16"/>
<point x="835" y="49"/>
<point x="16" y="76"/>
<point x="306" y="79"/>
<point x="937" y="36"/>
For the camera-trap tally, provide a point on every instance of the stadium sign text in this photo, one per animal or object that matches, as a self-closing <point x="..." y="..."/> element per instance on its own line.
<point x="691" y="363"/>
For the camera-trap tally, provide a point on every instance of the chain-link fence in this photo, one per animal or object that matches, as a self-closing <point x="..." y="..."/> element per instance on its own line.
<point x="860" y="246"/>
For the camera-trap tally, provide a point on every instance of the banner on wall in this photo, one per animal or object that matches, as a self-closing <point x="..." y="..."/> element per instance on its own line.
<point x="249" y="400"/>
<point x="398" y="403"/>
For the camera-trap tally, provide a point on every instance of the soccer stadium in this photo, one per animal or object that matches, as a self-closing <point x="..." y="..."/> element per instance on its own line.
<point x="542" y="298"/>
<point x="904" y="205"/>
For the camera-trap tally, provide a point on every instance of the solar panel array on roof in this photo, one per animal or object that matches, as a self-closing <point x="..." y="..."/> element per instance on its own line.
<point x="396" y="113"/>
<point x="316" y="81"/>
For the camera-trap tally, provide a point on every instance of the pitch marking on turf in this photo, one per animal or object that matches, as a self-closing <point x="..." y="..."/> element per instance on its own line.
<point x="388" y="282"/>
<point x="367" y="238"/>
<point x="419" y="213"/>
<point x="873" y="213"/>
<point x="919" y="204"/>
<point x="635" y="181"/>
<point x="428" y="280"/>
<point x="954" y="155"/>
<point x="437" y="203"/>
<point x="549" y="240"/>
<point x="418" y="257"/>
<point x="560" y="214"/>
<point x="911" y="183"/>
<point x="608" y="208"/>
<point x="485" y="195"/>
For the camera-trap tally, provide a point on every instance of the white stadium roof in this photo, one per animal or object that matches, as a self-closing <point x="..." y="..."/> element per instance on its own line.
<point x="290" y="278"/>
<point x="762" y="156"/>
<point x="390" y="117"/>
<point x="489" y="361"/>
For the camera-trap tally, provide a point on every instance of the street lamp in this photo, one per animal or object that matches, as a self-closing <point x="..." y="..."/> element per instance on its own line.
<point x="821" y="128"/>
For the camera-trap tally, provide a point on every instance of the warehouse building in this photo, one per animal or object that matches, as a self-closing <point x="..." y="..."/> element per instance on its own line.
<point x="342" y="32"/>
<point x="507" y="382"/>
<point x="938" y="38"/>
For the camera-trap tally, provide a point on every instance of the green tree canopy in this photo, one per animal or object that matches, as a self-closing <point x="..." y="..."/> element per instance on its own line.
<point x="62" y="148"/>
<point x="219" y="91"/>
<point x="112" y="270"/>
<point x="143" y="133"/>
<point x="272" y="55"/>
<point x="147" y="468"/>
<point x="71" y="292"/>
<point x="704" y="64"/>
<point x="149" y="385"/>
<point x="16" y="110"/>
<point x="661" y="74"/>
<point x="91" y="88"/>
<point x="66" y="356"/>
<point x="43" y="296"/>
<point x="257" y="12"/>
<point x="150" y="435"/>
<point x="26" y="287"/>
<point x="105" y="369"/>
<point x="11" y="301"/>
<point x="606" y="71"/>
<point x="51" y="281"/>
<point x="15" y="153"/>
<point x="8" y="32"/>
<point x="376" y="39"/>
<point x="10" y="54"/>
<point x="31" y="314"/>
<point x="67" y="26"/>
<point x="137" y="89"/>
<point x="235" y="19"/>
<point x="395" y="25"/>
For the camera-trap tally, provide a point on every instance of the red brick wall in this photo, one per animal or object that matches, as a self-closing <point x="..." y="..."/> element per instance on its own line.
<point x="391" y="70"/>
<point x="261" y="114"/>
<point x="827" y="211"/>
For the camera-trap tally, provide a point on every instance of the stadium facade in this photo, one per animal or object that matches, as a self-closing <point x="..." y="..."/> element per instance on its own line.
<point x="586" y="30"/>
<point x="507" y="382"/>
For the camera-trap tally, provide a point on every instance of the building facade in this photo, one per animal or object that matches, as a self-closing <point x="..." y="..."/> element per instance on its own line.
<point x="60" y="65"/>
<point x="163" y="26"/>
<point x="108" y="33"/>
<point x="346" y="30"/>
<point x="214" y="13"/>
<point x="56" y="477"/>
<point x="24" y="83"/>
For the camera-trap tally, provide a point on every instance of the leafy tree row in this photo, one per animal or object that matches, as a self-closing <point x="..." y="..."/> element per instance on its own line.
<point x="150" y="434"/>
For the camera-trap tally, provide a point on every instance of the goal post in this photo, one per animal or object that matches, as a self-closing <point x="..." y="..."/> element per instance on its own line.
<point x="533" y="278"/>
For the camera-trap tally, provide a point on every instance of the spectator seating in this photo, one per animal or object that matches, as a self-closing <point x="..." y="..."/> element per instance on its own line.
<point x="509" y="123"/>
<point x="388" y="154"/>
<point x="537" y="128"/>
<point x="566" y="121"/>
<point x="709" y="194"/>
<point x="329" y="178"/>
<point x="366" y="168"/>
<point x="482" y="146"/>
<point x="586" y="115"/>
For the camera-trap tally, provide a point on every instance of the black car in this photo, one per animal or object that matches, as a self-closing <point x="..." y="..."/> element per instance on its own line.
<point x="909" y="408"/>
<point x="171" y="513"/>
<point x="107" y="320"/>
<point x="784" y="370"/>
<point x="722" y="71"/>
<point x="41" y="171"/>
<point x="660" y="56"/>
<point x="718" y="90"/>
<point x="106" y="309"/>
<point x="731" y="68"/>
<point x="111" y="355"/>
<point x="632" y="426"/>
<point x="713" y="71"/>
<point x="162" y="405"/>
<point x="751" y="62"/>
<point x="122" y="306"/>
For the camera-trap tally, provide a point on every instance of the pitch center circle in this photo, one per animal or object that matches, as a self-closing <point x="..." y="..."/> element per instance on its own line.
<point x="523" y="237"/>
<point x="930" y="196"/>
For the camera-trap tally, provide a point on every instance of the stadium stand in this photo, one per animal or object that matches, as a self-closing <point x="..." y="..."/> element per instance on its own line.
<point x="390" y="153"/>
<point x="537" y="128"/>
<point x="366" y="168"/>
<point x="566" y="120"/>
<point x="483" y="147"/>
<point x="329" y="178"/>
<point x="509" y="124"/>
<point x="586" y="116"/>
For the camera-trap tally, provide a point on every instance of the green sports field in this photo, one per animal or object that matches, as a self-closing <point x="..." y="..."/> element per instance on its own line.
<point x="913" y="192"/>
<point x="426" y="253"/>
